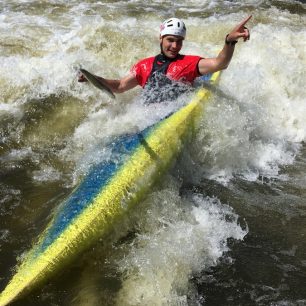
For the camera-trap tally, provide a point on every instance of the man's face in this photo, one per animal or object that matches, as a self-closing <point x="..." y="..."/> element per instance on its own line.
<point x="171" y="45"/>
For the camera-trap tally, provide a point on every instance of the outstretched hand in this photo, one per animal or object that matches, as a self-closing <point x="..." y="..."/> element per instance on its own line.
<point x="240" y="31"/>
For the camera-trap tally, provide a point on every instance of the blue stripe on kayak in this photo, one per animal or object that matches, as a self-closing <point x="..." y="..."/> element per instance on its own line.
<point x="205" y="77"/>
<point x="98" y="177"/>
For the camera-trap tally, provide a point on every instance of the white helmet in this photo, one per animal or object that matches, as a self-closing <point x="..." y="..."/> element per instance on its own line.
<point x="173" y="26"/>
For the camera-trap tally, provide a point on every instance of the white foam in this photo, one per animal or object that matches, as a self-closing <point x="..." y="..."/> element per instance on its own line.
<point x="269" y="106"/>
<point x="178" y="239"/>
<point x="46" y="174"/>
<point x="18" y="155"/>
<point x="253" y="130"/>
<point x="255" y="125"/>
<point x="12" y="109"/>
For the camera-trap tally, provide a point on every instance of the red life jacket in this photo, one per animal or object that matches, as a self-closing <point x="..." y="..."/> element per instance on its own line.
<point x="183" y="68"/>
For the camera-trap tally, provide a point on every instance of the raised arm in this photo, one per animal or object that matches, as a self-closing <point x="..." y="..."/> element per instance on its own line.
<point x="210" y="65"/>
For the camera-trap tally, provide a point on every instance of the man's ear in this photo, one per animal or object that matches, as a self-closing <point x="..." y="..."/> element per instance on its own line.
<point x="160" y="39"/>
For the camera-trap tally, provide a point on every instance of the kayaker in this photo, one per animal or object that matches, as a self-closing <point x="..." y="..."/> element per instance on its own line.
<point x="170" y="68"/>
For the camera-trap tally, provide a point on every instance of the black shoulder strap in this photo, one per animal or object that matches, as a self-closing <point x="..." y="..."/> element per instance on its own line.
<point x="160" y="64"/>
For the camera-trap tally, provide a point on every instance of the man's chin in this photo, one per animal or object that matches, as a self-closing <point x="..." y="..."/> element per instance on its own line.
<point x="171" y="55"/>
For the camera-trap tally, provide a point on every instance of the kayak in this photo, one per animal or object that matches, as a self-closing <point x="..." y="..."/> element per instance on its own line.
<point x="110" y="189"/>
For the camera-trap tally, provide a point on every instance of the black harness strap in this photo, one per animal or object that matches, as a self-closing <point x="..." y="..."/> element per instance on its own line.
<point x="160" y="65"/>
<point x="159" y="87"/>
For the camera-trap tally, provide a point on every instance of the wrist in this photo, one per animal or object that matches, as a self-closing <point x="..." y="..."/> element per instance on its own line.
<point x="230" y="42"/>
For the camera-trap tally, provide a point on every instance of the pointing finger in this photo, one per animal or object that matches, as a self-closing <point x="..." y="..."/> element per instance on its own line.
<point x="244" y="21"/>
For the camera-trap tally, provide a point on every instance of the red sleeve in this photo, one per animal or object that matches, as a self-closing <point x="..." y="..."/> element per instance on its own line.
<point x="142" y="70"/>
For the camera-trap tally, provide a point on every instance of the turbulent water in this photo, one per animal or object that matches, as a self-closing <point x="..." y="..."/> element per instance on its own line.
<point x="226" y="226"/>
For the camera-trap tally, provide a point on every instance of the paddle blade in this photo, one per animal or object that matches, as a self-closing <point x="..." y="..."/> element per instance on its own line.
<point x="94" y="81"/>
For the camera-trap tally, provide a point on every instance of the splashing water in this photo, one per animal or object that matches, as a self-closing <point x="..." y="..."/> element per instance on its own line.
<point x="185" y="244"/>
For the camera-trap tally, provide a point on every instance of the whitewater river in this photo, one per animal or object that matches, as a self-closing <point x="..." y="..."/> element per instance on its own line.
<point x="227" y="224"/>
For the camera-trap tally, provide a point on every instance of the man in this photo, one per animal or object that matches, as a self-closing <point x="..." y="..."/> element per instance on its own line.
<point x="172" y="68"/>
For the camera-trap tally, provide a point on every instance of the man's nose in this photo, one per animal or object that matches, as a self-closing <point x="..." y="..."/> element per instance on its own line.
<point x="174" y="45"/>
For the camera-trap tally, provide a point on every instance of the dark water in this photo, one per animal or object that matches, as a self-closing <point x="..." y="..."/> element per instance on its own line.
<point x="226" y="226"/>
<point x="269" y="265"/>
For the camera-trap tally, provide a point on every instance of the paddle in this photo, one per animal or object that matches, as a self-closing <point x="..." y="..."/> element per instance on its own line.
<point x="97" y="83"/>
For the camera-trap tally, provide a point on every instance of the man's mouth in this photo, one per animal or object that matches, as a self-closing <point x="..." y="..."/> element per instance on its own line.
<point x="173" y="52"/>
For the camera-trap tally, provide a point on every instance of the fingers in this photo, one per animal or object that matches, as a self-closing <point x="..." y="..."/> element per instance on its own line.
<point x="247" y="34"/>
<point x="244" y="21"/>
<point x="241" y="31"/>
